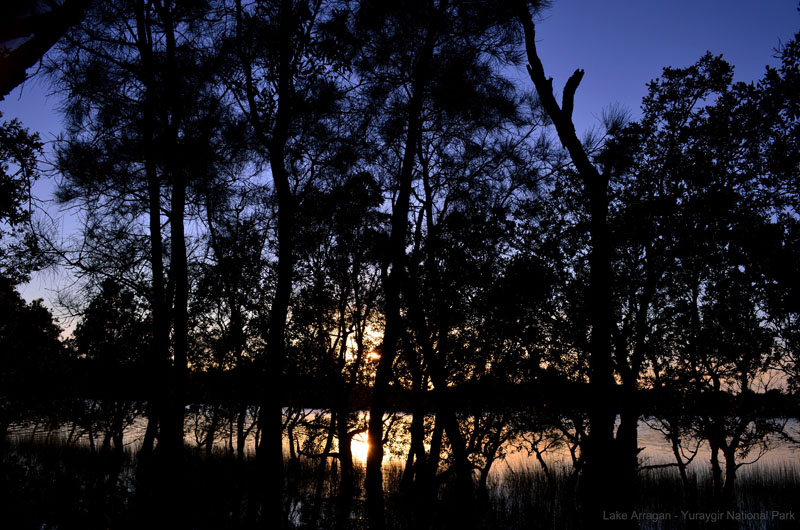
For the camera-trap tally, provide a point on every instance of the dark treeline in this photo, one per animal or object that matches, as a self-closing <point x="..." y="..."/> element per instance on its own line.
<point x="357" y="205"/>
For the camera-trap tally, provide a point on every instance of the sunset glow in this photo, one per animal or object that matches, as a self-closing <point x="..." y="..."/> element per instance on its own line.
<point x="573" y="227"/>
<point x="360" y="447"/>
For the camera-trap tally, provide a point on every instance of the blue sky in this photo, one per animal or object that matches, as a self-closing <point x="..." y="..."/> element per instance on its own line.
<point x="621" y="44"/>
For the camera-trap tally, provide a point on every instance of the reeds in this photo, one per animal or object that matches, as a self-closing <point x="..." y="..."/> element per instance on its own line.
<point x="53" y="484"/>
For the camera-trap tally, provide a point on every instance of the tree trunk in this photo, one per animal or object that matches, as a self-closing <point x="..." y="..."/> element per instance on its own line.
<point x="322" y="467"/>
<point x="160" y="352"/>
<point x="178" y="262"/>
<point x="600" y="468"/>
<point x="393" y="281"/>
<point x="211" y="434"/>
<point x="716" y="471"/>
<point x="47" y="29"/>
<point x="373" y="483"/>
<point x="434" y="457"/>
<point x="270" y="450"/>
<point x="118" y="430"/>
<point x="240" y="436"/>
<point x="105" y="446"/>
<point x="347" y="481"/>
<point x="415" y="459"/>
<point x="628" y="443"/>
<point x="676" y="452"/>
<point x="729" y="487"/>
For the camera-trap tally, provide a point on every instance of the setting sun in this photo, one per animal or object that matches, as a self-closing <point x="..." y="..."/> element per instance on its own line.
<point x="360" y="447"/>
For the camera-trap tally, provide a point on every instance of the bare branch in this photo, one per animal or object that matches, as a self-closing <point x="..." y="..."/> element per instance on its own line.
<point x="568" y="99"/>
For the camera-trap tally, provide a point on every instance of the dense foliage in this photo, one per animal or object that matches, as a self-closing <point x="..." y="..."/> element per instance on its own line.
<point x="350" y="205"/>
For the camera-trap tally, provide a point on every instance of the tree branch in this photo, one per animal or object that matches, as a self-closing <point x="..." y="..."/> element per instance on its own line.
<point x="562" y="118"/>
<point x="568" y="99"/>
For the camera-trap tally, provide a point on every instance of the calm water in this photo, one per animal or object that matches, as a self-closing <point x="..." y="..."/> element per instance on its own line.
<point x="655" y="449"/>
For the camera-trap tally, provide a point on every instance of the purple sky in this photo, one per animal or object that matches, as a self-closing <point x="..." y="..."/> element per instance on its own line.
<point x="621" y="44"/>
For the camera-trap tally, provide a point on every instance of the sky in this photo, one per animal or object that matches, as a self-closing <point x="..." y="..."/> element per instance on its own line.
<point x="621" y="45"/>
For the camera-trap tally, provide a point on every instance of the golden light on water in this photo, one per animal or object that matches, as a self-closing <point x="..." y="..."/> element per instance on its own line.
<point x="360" y="447"/>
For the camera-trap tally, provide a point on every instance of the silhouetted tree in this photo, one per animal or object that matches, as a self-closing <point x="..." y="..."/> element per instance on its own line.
<point x="335" y="305"/>
<point x="142" y="113"/>
<point x="111" y="342"/>
<point x="136" y="128"/>
<point x="708" y="231"/>
<point x="778" y="107"/>
<point x="20" y="253"/>
<point x="286" y="80"/>
<point x="33" y="369"/>
<point x="428" y="65"/>
<point x="598" y="468"/>
<point x="228" y="305"/>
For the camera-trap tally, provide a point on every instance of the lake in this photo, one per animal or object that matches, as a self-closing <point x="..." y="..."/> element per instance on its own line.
<point x="655" y="449"/>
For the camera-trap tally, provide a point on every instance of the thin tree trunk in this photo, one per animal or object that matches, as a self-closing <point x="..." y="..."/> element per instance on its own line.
<point x="729" y="487"/>
<point x="393" y="281"/>
<point x="322" y="467"/>
<point x="240" y="436"/>
<point x="211" y="434"/>
<point x="415" y="460"/>
<point x="347" y="481"/>
<point x="118" y="430"/>
<point x="178" y="261"/>
<point x="159" y="355"/>
<point x="435" y="454"/>
<point x="628" y="441"/>
<point x="676" y="452"/>
<point x="374" y="477"/>
<point x="716" y="471"/>
<point x="105" y="446"/>
<point x="270" y="450"/>
<point x="231" y="423"/>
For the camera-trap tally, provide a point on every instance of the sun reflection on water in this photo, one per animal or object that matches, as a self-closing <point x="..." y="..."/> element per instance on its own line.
<point x="359" y="447"/>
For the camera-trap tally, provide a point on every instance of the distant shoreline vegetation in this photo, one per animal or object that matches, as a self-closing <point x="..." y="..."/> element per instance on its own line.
<point x="521" y="448"/>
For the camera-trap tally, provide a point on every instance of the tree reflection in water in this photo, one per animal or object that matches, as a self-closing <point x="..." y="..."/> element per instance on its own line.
<point x="517" y="491"/>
